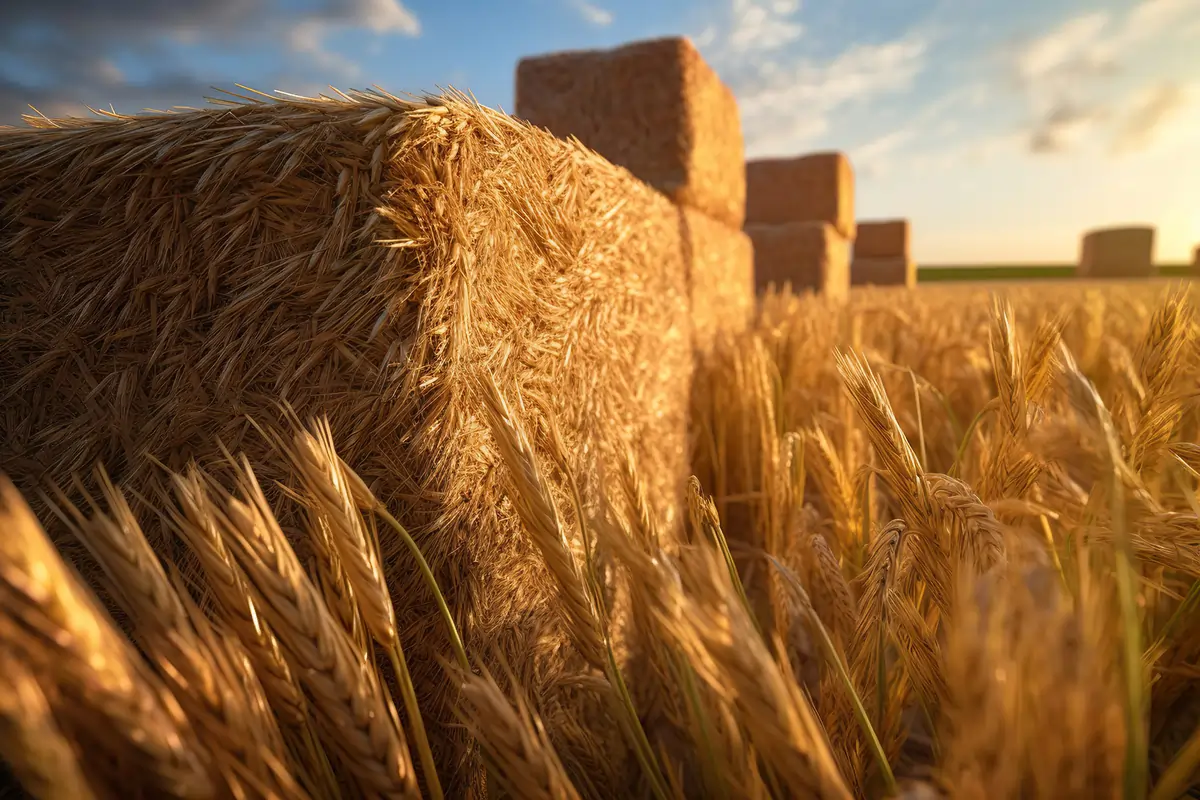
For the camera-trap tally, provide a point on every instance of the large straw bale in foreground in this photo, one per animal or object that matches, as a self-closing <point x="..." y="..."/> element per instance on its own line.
<point x="653" y="107"/>
<point x="1126" y="252"/>
<point x="722" y="276"/>
<point x="814" y="188"/>
<point x="166" y="279"/>
<point x="883" y="238"/>
<point x="806" y="255"/>
<point x="889" y="271"/>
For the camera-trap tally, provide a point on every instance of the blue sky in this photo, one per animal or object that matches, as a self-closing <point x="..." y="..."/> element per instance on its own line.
<point x="1002" y="128"/>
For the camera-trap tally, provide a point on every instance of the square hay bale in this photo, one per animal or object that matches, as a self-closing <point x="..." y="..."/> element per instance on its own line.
<point x="883" y="238"/>
<point x="166" y="279"/>
<point x="894" y="271"/>
<point x="1126" y="252"/>
<point x="654" y="107"/>
<point x="814" y="188"/>
<point x="807" y="255"/>
<point x="722" y="276"/>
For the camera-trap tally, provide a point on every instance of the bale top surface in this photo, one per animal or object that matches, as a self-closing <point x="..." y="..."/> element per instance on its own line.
<point x="654" y="107"/>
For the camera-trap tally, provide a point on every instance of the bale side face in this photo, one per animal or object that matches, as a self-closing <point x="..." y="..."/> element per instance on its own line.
<point x="883" y="272"/>
<point x="655" y="108"/>
<point x="807" y="255"/>
<point x="882" y="239"/>
<point x="812" y="188"/>
<point x="722" y="276"/>
<point x="168" y="279"/>
<point x="1117" y="253"/>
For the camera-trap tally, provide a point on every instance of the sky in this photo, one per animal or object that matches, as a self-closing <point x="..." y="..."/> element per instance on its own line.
<point x="1002" y="128"/>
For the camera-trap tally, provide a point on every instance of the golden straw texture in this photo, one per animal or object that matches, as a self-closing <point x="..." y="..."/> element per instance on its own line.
<point x="883" y="238"/>
<point x="1117" y="253"/>
<point x="721" y="281"/>
<point x="653" y="107"/>
<point x="174" y="279"/>
<point x="818" y="187"/>
<point x="882" y="271"/>
<point x="806" y="255"/>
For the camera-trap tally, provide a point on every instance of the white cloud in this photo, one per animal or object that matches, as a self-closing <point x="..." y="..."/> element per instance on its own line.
<point x="108" y="73"/>
<point x="762" y="26"/>
<point x="386" y="16"/>
<point x="593" y="14"/>
<point x="1066" y="74"/>
<point x="1076" y="47"/>
<point x="1151" y="110"/>
<point x="306" y="37"/>
<point x="1065" y="127"/>
<point x="786" y="97"/>
<point x="787" y="103"/>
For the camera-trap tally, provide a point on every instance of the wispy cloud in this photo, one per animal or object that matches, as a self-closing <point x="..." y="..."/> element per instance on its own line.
<point x="1064" y="127"/>
<point x="788" y="102"/>
<point x="78" y="44"/>
<point x="1156" y="106"/>
<point x="1067" y="74"/>
<point x="752" y="26"/>
<point x="593" y="14"/>
<point x="786" y="95"/>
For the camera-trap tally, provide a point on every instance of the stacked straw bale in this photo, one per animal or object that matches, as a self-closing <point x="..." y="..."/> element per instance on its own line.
<point x="657" y="109"/>
<point x="722" y="276"/>
<point x="818" y="187"/>
<point x="1125" y="252"/>
<point x="883" y="255"/>
<point x="810" y="201"/>
<point x="654" y="107"/>
<point x="804" y="255"/>
<point x="1196" y="260"/>
<point x="170" y="280"/>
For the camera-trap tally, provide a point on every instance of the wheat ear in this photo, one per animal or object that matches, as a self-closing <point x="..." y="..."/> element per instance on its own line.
<point x="130" y="730"/>
<point x="355" y="717"/>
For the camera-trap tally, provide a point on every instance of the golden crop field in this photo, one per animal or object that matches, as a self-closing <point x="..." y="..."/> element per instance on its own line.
<point x="942" y="542"/>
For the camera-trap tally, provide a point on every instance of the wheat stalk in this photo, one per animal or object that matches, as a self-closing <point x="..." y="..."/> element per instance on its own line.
<point x="246" y="748"/>
<point x="35" y="748"/>
<point x="129" y="729"/>
<point x="354" y="716"/>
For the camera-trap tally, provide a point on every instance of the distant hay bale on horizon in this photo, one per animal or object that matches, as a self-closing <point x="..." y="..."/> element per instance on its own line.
<point x="1117" y="252"/>
<point x="170" y="279"/>
<point x="817" y="187"/>
<point x="806" y="255"/>
<point x="883" y="238"/>
<point x="883" y="271"/>
<point x="654" y="107"/>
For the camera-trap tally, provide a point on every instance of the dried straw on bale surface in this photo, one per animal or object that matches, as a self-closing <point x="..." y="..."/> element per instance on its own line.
<point x="172" y="279"/>
<point x="884" y="238"/>
<point x="814" y="188"/>
<point x="806" y="255"/>
<point x="722" y="276"/>
<point x="1117" y="253"/>
<point x="883" y="271"/>
<point x="654" y="107"/>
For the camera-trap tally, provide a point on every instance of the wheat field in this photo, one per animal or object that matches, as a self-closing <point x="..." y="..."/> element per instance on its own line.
<point x="939" y="543"/>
